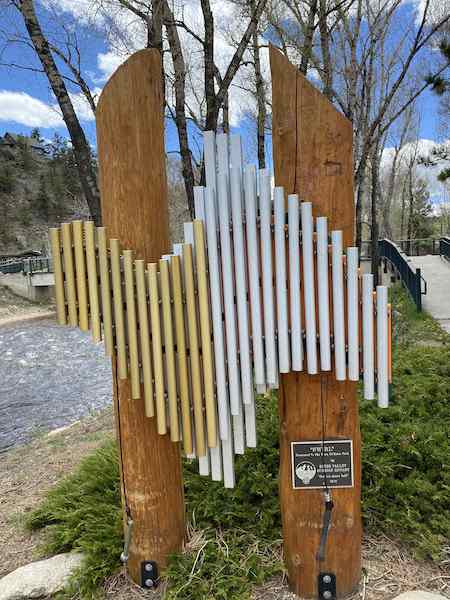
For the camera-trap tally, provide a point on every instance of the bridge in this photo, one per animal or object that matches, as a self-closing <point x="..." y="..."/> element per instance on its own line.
<point x="28" y="274"/>
<point x="424" y="268"/>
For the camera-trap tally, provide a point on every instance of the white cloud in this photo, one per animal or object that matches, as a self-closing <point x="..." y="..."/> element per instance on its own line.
<point x="22" y="108"/>
<point x="108" y="62"/>
<point x="82" y="106"/>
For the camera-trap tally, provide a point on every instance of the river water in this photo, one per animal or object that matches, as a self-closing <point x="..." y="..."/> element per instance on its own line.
<point x="50" y="376"/>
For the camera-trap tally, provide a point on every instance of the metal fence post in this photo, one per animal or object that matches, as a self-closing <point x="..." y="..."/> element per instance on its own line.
<point x="419" y="290"/>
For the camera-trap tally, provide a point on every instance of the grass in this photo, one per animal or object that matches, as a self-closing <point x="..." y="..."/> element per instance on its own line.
<point x="406" y="485"/>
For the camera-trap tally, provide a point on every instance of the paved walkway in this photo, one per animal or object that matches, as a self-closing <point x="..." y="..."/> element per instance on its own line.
<point x="436" y="271"/>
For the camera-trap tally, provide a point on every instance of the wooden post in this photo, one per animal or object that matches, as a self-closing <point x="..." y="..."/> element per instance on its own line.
<point x="130" y="135"/>
<point x="312" y="150"/>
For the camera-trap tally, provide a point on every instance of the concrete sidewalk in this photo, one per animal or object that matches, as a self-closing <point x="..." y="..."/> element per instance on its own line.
<point x="436" y="272"/>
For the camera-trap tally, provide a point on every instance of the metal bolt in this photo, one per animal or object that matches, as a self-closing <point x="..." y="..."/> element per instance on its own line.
<point x="327" y="595"/>
<point x="326" y="579"/>
<point x="149" y="583"/>
<point x="148" y="567"/>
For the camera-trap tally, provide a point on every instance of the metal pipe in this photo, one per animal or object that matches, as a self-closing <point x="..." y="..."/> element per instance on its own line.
<point x="382" y="347"/>
<point x="281" y="285"/>
<point x="309" y="286"/>
<point x="324" y="293"/>
<point x="368" y="336"/>
<point x="338" y="306"/>
<point x="353" y="313"/>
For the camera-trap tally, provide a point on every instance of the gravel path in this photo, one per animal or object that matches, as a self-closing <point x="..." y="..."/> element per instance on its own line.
<point x="51" y="376"/>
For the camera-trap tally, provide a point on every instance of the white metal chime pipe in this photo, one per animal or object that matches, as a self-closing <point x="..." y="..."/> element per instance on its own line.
<point x="230" y="313"/>
<point x="338" y="305"/>
<point x="281" y="285"/>
<point x="368" y="337"/>
<point x="240" y="266"/>
<point x="353" y="313"/>
<point x="199" y="203"/>
<point x="248" y="391"/>
<point x="382" y="347"/>
<point x="308" y="286"/>
<point x="223" y="452"/>
<point x="294" y="282"/>
<point x="216" y="310"/>
<point x="253" y="270"/>
<point x="324" y="293"/>
<point x="265" y="209"/>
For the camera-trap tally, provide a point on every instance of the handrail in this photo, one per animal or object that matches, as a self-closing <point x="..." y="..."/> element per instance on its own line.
<point x="411" y="278"/>
<point x="444" y="248"/>
<point x="418" y="246"/>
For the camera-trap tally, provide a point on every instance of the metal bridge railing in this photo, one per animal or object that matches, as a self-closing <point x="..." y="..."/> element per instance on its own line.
<point x="444" y="248"/>
<point x="419" y="246"/>
<point x="27" y="266"/>
<point x="411" y="278"/>
<point x="11" y="265"/>
<point x="37" y="265"/>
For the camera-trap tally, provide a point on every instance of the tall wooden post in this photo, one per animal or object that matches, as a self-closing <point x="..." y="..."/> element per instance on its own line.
<point x="312" y="150"/>
<point x="130" y="135"/>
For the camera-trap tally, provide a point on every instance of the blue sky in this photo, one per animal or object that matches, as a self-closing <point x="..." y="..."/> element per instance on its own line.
<point x="19" y="113"/>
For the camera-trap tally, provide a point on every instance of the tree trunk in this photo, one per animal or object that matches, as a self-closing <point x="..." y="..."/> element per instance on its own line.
<point x="309" y="36"/>
<point x="359" y="184"/>
<point x="261" y="103"/>
<point x="80" y="144"/>
<point x="387" y="206"/>
<point x="212" y="110"/>
<point x="402" y="218"/>
<point x="411" y="214"/>
<point x="373" y="211"/>
<point x="180" y="104"/>
<point x="327" y="76"/>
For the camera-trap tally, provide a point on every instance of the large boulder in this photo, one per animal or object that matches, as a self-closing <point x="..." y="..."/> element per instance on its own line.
<point x="419" y="596"/>
<point x="39" y="579"/>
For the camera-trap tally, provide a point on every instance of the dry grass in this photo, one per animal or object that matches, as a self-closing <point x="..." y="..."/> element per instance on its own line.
<point x="27" y="472"/>
<point x="388" y="570"/>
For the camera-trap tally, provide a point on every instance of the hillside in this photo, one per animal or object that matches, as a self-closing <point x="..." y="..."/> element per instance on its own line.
<point x="39" y="188"/>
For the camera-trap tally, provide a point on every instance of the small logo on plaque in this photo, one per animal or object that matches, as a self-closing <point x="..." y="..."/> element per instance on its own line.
<point x="320" y="464"/>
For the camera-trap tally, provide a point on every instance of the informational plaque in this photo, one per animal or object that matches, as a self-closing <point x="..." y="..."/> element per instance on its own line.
<point x="322" y="463"/>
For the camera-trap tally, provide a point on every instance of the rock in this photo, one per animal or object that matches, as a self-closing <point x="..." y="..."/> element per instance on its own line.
<point x="419" y="596"/>
<point x="40" y="578"/>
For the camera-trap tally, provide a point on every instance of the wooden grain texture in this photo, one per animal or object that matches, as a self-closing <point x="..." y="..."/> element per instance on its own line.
<point x="130" y="136"/>
<point x="312" y="151"/>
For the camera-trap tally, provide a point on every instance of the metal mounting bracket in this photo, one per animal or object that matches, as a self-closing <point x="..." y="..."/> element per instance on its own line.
<point x="149" y="574"/>
<point x="327" y="586"/>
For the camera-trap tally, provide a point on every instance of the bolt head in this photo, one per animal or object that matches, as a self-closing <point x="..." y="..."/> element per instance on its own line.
<point x="326" y="579"/>
<point x="148" y="567"/>
<point x="327" y="595"/>
<point x="149" y="583"/>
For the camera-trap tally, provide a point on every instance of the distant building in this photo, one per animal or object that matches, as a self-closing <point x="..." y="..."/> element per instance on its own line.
<point x="13" y="141"/>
